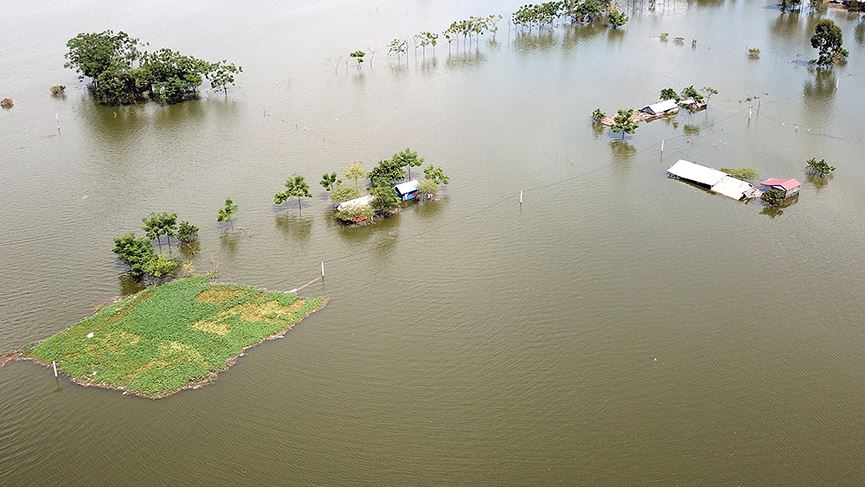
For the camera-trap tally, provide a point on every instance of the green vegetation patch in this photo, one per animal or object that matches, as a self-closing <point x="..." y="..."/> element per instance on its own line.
<point x="171" y="337"/>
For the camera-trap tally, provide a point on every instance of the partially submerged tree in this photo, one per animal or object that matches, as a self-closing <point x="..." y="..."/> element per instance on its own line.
<point x="598" y="115"/>
<point x="388" y="172"/>
<point x="227" y="212"/>
<point x="669" y="94"/>
<point x="408" y="159"/>
<point x="91" y="54"/>
<point x="328" y="181"/>
<point x="398" y="47"/>
<point x="692" y="93"/>
<point x="58" y="90"/>
<point x="135" y="252"/>
<point x="428" y="188"/>
<point x="384" y="199"/>
<point x="819" y="168"/>
<point x="624" y="123"/>
<point x="827" y="40"/>
<point x="221" y="75"/>
<point x="187" y="232"/>
<point x="617" y="18"/>
<point x="436" y="174"/>
<point x="156" y="225"/>
<point x="358" y="57"/>
<point x="774" y="197"/>
<point x="355" y="172"/>
<point x="343" y="192"/>
<point x="709" y="91"/>
<point x="754" y="52"/>
<point x="296" y="187"/>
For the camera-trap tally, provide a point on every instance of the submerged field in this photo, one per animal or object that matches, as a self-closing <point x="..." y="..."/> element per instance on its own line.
<point x="171" y="337"/>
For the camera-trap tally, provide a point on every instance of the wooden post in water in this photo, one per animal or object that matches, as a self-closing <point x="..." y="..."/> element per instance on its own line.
<point x="54" y="365"/>
<point x="322" y="270"/>
<point x="521" y="197"/>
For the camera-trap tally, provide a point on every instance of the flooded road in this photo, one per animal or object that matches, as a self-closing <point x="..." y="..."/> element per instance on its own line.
<point x="617" y="328"/>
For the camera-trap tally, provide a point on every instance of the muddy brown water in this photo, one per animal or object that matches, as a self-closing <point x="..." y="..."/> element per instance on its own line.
<point x="618" y="328"/>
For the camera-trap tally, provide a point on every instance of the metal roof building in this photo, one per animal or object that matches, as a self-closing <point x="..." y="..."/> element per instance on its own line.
<point x="717" y="181"/>
<point x="662" y="107"/>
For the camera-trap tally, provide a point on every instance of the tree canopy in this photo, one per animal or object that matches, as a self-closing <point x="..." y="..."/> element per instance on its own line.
<point x="623" y="122"/>
<point x="827" y="39"/>
<point x="388" y="172"/>
<point x="295" y="186"/>
<point x="123" y="73"/>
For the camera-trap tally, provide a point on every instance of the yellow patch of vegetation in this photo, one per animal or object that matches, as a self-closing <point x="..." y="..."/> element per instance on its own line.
<point x="217" y="294"/>
<point x="265" y="311"/>
<point x="219" y="328"/>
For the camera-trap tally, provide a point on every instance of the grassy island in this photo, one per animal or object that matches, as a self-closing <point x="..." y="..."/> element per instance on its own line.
<point x="172" y="337"/>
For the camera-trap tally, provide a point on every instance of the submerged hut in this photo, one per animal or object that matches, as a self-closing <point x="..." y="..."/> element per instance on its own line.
<point x="661" y="108"/>
<point x="407" y="190"/>
<point x="713" y="179"/>
<point x="790" y="186"/>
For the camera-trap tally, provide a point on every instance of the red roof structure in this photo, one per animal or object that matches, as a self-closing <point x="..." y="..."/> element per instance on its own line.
<point x="787" y="184"/>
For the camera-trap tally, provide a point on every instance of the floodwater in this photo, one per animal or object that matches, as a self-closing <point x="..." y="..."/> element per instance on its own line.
<point x="618" y="328"/>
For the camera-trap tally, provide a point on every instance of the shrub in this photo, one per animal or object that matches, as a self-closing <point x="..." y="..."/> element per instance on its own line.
<point x="819" y="168"/>
<point x="57" y="90"/>
<point x="160" y="265"/>
<point x="754" y="52"/>
<point x="135" y="252"/>
<point x="598" y="115"/>
<point x="428" y="187"/>
<point x="343" y="192"/>
<point x="774" y="197"/>
<point x="186" y="232"/>
<point x="384" y="198"/>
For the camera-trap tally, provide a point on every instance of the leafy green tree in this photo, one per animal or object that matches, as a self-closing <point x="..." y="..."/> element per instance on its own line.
<point x="135" y="252"/>
<point x="692" y="93"/>
<point x="436" y="174"/>
<point x="328" y="181"/>
<point x="827" y="40"/>
<point x="91" y="54"/>
<point x="598" y="115"/>
<point x="388" y="172"/>
<point x="617" y="18"/>
<point x="398" y="47"/>
<point x="295" y="186"/>
<point x="819" y="168"/>
<point x="160" y="266"/>
<point x="156" y="225"/>
<point x="172" y="76"/>
<point x="118" y="85"/>
<point x="428" y="188"/>
<point x="669" y="94"/>
<point x="222" y="74"/>
<point x="343" y="192"/>
<point x="186" y="232"/>
<point x="408" y="159"/>
<point x="774" y="197"/>
<point x="227" y="212"/>
<point x="355" y="172"/>
<point x="384" y="198"/>
<point x="709" y="91"/>
<point x="492" y="24"/>
<point x="623" y="123"/>
<point x="358" y="56"/>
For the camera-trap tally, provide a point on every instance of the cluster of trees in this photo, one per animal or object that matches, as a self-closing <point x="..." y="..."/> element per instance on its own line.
<point x="473" y="27"/>
<point x="140" y="255"/>
<point x="818" y="168"/>
<point x="855" y="6"/>
<point x="828" y="40"/>
<point x="123" y="73"/>
<point x="688" y="93"/>
<point x="380" y="185"/>
<point x="548" y="13"/>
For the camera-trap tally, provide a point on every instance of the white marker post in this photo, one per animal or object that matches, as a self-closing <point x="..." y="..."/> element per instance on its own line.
<point x="54" y="365"/>
<point x="750" y="112"/>
<point x="322" y="270"/>
<point x="521" y="197"/>
<point x="662" y="146"/>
